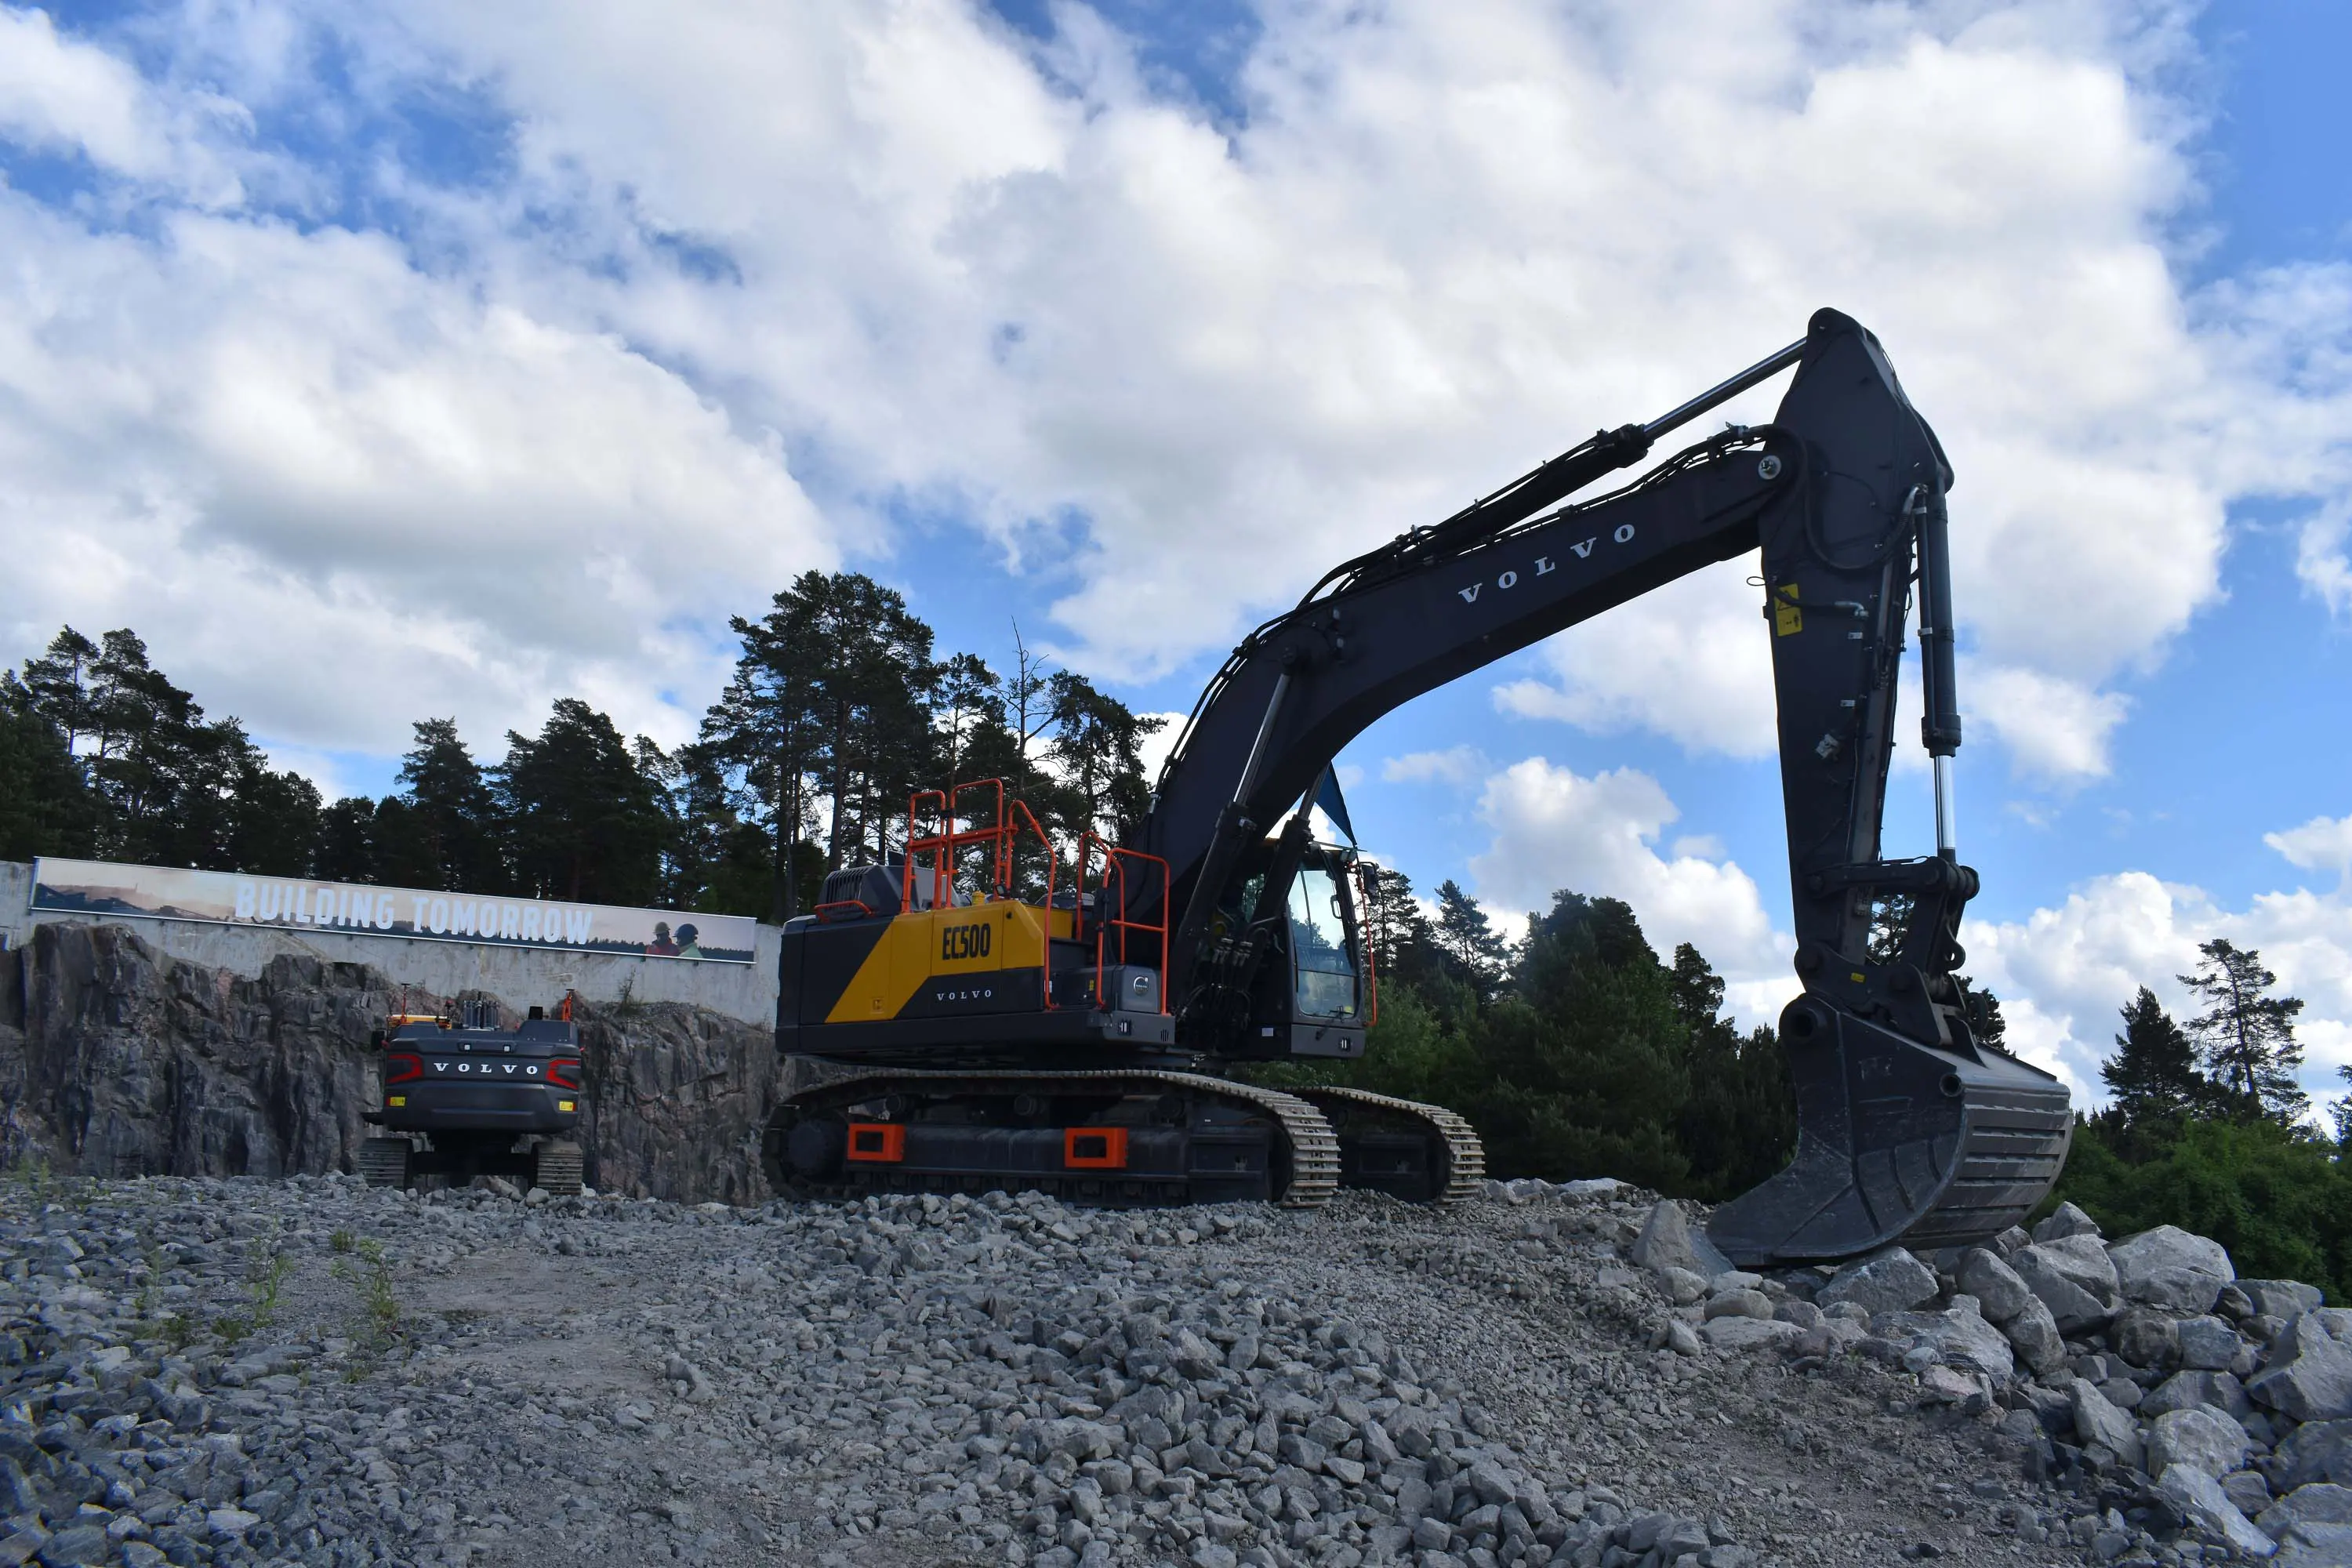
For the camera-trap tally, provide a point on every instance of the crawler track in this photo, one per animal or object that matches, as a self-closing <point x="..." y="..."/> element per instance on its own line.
<point x="1311" y="1152"/>
<point x="1465" y="1157"/>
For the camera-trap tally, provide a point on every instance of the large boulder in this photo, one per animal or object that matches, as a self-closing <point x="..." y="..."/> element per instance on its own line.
<point x="2205" y="1438"/>
<point x="2034" y="1333"/>
<point x="2316" y="1451"/>
<point x="1889" y="1280"/>
<point x="2198" y="1498"/>
<point x="2074" y="1278"/>
<point x="2146" y="1339"/>
<point x="1669" y="1241"/>
<point x="2284" y="1299"/>
<point x="1960" y="1336"/>
<point x="2186" y="1390"/>
<point x="2309" y="1374"/>
<point x="1984" y="1275"/>
<point x="2171" y="1269"/>
<point x="2208" y="1344"/>
<point x="2099" y="1420"/>
<point x="2065" y="1221"/>
<point x="2320" y="1514"/>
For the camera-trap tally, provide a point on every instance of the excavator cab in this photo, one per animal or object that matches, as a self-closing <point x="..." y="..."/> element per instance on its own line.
<point x="1291" y="977"/>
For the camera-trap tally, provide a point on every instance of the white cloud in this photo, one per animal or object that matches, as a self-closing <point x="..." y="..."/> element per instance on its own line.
<point x="1456" y="766"/>
<point x="2322" y="844"/>
<point x="1445" y="240"/>
<point x="1556" y="829"/>
<point x="336" y="494"/>
<point x="1690" y="661"/>
<point x="2064" y="974"/>
<point x="2056" y="729"/>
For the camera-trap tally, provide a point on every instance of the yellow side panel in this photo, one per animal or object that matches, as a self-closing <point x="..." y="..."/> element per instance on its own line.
<point x="976" y="938"/>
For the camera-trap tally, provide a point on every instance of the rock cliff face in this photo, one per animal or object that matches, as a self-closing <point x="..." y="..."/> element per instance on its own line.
<point x="118" y="1062"/>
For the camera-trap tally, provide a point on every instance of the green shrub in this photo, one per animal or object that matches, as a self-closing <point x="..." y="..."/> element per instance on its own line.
<point x="2279" y="1200"/>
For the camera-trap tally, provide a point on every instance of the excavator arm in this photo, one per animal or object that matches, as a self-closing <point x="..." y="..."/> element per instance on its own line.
<point x="1909" y="1127"/>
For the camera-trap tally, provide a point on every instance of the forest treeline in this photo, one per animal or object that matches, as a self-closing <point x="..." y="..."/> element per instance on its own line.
<point x="839" y="706"/>
<point x="1576" y="1051"/>
<point x="2210" y="1129"/>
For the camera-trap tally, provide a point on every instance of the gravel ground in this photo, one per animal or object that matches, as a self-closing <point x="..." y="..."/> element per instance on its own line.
<point x="308" y="1371"/>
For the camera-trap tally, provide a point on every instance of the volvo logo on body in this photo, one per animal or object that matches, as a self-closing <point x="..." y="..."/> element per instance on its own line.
<point x="1545" y="565"/>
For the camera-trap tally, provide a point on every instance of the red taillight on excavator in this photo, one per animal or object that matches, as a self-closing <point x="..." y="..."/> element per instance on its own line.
<point x="562" y="1074"/>
<point x="399" y="1067"/>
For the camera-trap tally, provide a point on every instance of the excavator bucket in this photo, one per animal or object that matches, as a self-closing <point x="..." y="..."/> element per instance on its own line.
<point x="1897" y="1142"/>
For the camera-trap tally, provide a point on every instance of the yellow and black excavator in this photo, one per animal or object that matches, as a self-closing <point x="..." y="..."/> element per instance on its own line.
<point x="1009" y="1021"/>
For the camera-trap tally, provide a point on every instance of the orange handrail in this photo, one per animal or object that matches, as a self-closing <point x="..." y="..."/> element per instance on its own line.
<point x="1006" y="819"/>
<point x="1115" y="864"/>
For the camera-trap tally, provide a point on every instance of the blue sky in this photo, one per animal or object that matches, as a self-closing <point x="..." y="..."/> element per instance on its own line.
<point x="451" y="360"/>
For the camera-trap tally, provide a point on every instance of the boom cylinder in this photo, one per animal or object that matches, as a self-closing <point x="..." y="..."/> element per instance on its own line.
<point x="1939" y="724"/>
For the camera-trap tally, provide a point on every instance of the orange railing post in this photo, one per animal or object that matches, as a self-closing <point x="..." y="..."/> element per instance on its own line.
<point x="1114" y="885"/>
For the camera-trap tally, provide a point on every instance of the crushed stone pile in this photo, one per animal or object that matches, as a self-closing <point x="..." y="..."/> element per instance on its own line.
<point x="2186" y="1413"/>
<point x="309" y="1371"/>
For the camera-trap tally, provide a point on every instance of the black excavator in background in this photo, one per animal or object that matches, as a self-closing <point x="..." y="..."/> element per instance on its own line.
<point x="1070" y="1029"/>
<point x="467" y="1096"/>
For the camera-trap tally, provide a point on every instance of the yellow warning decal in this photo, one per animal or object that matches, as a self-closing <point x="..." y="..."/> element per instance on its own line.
<point x="1787" y="619"/>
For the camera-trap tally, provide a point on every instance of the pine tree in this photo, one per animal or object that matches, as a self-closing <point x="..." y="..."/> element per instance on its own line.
<point x="448" y="834"/>
<point x="583" y="821"/>
<point x="1985" y="1021"/>
<point x="1474" y="949"/>
<point x="46" y="806"/>
<point x="1099" y="742"/>
<point x="2341" y="1113"/>
<point x="2153" y="1074"/>
<point x="347" y="841"/>
<point x="2245" y="1040"/>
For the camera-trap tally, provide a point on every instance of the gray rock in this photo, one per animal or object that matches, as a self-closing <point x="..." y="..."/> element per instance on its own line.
<point x="2320" y="1502"/>
<point x="2316" y="1451"/>
<point x="2309" y="1375"/>
<point x="2194" y="1390"/>
<point x="2248" y="1490"/>
<point x="1986" y="1276"/>
<point x="2097" y="1420"/>
<point x="1804" y="1314"/>
<point x="2146" y="1339"/>
<point x="2171" y="1269"/>
<point x="1749" y="1333"/>
<point x="1667" y="1241"/>
<point x="2074" y="1278"/>
<point x="2033" y="1334"/>
<point x="2198" y="1435"/>
<point x="1960" y="1338"/>
<point x="2286" y="1300"/>
<point x="2208" y="1344"/>
<point x="2065" y="1221"/>
<point x="2198" y="1497"/>
<point x="1682" y="1286"/>
<point x="1682" y="1339"/>
<point x="1889" y="1280"/>
<point x="1739" y="1304"/>
<point x="76" y="1546"/>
